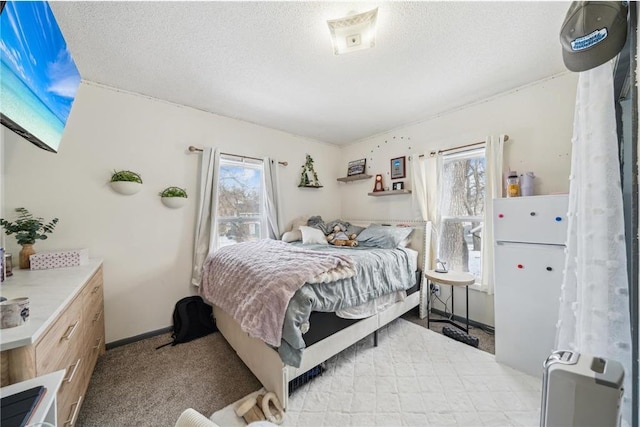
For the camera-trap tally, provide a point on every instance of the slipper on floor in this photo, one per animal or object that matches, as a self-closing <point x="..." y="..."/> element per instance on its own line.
<point x="271" y="407"/>
<point x="250" y="411"/>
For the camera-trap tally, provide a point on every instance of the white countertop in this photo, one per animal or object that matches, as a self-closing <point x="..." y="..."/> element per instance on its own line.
<point x="49" y="291"/>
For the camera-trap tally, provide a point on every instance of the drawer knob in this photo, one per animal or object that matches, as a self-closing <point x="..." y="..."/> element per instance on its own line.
<point x="72" y="420"/>
<point x="73" y="372"/>
<point x="532" y="214"/>
<point x="520" y="266"/>
<point x="97" y="346"/>
<point x="549" y="269"/>
<point x="70" y="331"/>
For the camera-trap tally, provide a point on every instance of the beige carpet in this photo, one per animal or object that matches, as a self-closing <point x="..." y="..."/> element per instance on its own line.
<point x="137" y="385"/>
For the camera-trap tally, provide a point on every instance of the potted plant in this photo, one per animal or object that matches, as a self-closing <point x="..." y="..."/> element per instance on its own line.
<point x="27" y="229"/>
<point x="126" y="182"/>
<point x="173" y="197"/>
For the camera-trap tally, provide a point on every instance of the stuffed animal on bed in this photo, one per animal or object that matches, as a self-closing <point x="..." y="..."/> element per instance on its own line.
<point x="339" y="237"/>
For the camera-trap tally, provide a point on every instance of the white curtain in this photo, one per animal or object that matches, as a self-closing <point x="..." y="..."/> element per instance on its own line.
<point x="272" y="198"/>
<point x="493" y="152"/>
<point x="424" y="178"/>
<point x="206" y="225"/>
<point x="594" y="302"/>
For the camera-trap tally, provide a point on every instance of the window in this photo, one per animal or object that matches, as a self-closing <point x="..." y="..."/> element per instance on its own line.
<point x="241" y="216"/>
<point x="462" y="190"/>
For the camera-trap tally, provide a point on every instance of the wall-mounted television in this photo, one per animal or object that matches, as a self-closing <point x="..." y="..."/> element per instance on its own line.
<point x="38" y="77"/>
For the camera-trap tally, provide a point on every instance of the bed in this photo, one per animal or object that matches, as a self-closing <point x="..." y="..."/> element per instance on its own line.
<point x="275" y="368"/>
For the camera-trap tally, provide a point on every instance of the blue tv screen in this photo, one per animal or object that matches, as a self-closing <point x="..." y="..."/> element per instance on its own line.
<point x="38" y="78"/>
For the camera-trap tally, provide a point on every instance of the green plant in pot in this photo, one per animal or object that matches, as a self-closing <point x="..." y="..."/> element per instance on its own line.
<point x="126" y="182"/>
<point x="28" y="229"/>
<point x="173" y="197"/>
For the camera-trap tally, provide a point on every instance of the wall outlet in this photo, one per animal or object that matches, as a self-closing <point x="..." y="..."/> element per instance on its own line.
<point x="435" y="289"/>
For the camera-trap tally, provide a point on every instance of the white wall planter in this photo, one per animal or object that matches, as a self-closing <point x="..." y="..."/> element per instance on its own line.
<point x="126" y="188"/>
<point x="174" y="202"/>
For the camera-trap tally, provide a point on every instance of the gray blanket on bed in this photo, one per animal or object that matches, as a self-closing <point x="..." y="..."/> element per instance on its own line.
<point x="379" y="272"/>
<point x="254" y="281"/>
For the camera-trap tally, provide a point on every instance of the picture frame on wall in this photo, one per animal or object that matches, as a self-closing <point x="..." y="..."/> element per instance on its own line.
<point x="398" y="185"/>
<point x="356" y="167"/>
<point x="398" y="167"/>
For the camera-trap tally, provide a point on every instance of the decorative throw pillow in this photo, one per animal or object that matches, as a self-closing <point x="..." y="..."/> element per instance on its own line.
<point x="292" y="236"/>
<point x="312" y="235"/>
<point x="384" y="237"/>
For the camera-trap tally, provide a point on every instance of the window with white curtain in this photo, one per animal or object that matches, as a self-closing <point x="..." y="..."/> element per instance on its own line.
<point x="461" y="208"/>
<point x="241" y="214"/>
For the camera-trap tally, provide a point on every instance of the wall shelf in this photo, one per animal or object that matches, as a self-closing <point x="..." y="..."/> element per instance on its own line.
<point x="389" y="193"/>
<point x="354" y="177"/>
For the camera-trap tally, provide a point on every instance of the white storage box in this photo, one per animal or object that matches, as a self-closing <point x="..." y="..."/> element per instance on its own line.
<point x="70" y="258"/>
<point x="581" y="391"/>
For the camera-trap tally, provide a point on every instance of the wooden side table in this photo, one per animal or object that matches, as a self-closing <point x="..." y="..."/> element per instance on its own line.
<point x="453" y="279"/>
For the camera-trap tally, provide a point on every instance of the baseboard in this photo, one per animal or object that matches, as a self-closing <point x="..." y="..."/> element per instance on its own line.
<point x="137" y="338"/>
<point x="463" y="320"/>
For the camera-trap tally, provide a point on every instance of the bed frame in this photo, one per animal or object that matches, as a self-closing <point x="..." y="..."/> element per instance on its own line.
<point x="265" y="362"/>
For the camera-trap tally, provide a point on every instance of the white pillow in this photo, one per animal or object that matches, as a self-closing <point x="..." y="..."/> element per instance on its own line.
<point x="312" y="235"/>
<point x="292" y="236"/>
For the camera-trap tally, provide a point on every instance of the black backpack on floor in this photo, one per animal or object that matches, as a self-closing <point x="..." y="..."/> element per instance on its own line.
<point x="192" y="318"/>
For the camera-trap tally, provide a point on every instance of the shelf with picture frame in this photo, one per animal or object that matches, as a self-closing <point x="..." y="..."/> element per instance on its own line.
<point x="357" y="177"/>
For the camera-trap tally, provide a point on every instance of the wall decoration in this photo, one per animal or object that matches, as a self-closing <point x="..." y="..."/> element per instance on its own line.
<point x="173" y="197"/>
<point x="398" y="185"/>
<point x="126" y="182"/>
<point x="308" y="176"/>
<point x="356" y="167"/>
<point x="398" y="167"/>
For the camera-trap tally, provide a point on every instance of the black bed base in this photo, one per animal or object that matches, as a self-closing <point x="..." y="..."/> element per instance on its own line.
<point x="326" y="324"/>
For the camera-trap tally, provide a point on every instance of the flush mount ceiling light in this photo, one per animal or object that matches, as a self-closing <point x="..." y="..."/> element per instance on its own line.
<point x="353" y="32"/>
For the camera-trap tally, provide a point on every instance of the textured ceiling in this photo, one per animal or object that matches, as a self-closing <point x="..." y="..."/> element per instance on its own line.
<point x="272" y="63"/>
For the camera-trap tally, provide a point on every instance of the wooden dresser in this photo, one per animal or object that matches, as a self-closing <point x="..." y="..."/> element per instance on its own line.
<point x="65" y="331"/>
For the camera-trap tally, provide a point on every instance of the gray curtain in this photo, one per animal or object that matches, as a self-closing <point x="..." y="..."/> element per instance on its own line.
<point x="272" y="198"/>
<point x="206" y="225"/>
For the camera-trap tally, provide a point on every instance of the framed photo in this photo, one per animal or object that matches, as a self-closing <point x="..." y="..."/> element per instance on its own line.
<point x="356" y="167"/>
<point x="398" y="185"/>
<point x="398" y="167"/>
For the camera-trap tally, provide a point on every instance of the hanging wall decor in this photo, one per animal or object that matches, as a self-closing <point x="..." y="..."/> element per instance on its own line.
<point x="308" y="176"/>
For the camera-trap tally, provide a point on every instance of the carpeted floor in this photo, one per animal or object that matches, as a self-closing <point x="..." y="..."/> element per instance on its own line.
<point x="137" y="385"/>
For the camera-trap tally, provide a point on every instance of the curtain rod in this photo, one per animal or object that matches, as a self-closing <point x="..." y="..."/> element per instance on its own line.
<point x="193" y="149"/>
<point x="433" y="153"/>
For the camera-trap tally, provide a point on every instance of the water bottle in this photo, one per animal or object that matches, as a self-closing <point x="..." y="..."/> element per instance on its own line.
<point x="513" y="184"/>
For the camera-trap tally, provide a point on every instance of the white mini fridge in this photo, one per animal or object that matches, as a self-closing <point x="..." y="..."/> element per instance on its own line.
<point x="530" y="234"/>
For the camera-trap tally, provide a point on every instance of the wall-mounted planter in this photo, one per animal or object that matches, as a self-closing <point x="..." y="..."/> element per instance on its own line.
<point x="174" y="202"/>
<point x="126" y="182"/>
<point x="173" y="197"/>
<point x="126" y="188"/>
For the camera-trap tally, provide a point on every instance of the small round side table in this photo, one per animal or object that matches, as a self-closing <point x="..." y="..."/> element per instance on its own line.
<point x="453" y="279"/>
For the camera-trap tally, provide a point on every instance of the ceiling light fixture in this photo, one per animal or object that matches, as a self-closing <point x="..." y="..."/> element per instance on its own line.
<point x="353" y="32"/>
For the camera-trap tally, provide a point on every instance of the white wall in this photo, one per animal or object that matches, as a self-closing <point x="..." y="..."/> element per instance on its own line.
<point x="146" y="247"/>
<point x="539" y="121"/>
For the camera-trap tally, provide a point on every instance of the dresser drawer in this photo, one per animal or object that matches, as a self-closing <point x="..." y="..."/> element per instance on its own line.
<point x="62" y="341"/>
<point x="92" y="292"/>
